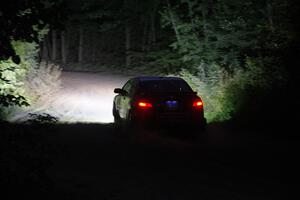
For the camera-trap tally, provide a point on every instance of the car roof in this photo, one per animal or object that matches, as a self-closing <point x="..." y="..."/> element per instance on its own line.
<point x="156" y="78"/>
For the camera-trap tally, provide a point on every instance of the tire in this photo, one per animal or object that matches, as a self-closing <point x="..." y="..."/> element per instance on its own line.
<point x="197" y="130"/>
<point x="133" y="129"/>
<point x="117" y="122"/>
<point x="130" y="123"/>
<point x="202" y="127"/>
<point x="117" y="119"/>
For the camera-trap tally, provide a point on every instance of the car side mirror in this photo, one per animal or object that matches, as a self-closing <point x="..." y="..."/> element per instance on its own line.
<point x="120" y="91"/>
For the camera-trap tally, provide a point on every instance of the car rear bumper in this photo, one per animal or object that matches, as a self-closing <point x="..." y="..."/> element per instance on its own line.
<point x="149" y="118"/>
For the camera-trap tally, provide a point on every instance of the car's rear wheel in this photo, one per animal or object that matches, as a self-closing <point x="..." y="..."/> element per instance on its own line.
<point x="133" y="127"/>
<point x="130" y="121"/>
<point x="117" y="121"/>
<point x="197" y="130"/>
<point x="201" y="125"/>
<point x="116" y="115"/>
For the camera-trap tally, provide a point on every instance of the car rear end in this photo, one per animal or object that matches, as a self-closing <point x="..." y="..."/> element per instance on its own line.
<point x="170" y="104"/>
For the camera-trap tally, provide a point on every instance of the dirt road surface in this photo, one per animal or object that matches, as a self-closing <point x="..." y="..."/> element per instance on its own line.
<point x="96" y="162"/>
<point x="85" y="97"/>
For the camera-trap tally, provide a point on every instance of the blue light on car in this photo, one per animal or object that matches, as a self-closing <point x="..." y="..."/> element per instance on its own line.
<point x="172" y="104"/>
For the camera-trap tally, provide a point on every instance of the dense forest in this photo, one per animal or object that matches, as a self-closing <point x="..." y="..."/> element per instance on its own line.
<point x="240" y="56"/>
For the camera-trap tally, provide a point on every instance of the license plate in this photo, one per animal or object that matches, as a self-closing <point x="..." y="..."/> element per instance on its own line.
<point x="172" y="105"/>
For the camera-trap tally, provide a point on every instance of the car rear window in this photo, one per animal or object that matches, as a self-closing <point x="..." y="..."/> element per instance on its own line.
<point x="165" y="86"/>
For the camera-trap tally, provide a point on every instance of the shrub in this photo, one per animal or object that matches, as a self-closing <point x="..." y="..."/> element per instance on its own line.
<point x="240" y="93"/>
<point x="43" y="118"/>
<point x="42" y="81"/>
<point x="25" y="83"/>
<point x="209" y="81"/>
<point x="12" y="91"/>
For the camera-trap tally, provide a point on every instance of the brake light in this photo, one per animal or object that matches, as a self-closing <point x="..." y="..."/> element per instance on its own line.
<point x="198" y="104"/>
<point x="144" y="105"/>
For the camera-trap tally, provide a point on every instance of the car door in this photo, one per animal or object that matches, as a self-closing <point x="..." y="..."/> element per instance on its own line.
<point x="125" y="100"/>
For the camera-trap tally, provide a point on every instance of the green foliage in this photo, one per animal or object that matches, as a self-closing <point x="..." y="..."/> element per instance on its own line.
<point x="11" y="91"/>
<point x="165" y="61"/>
<point x="202" y="36"/>
<point x="12" y="74"/>
<point x="211" y="86"/>
<point x="226" y="95"/>
<point x="12" y="84"/>
<point x="22" y="21"/>
<point x="24" y="83"/>
<point x="230" y="51"/>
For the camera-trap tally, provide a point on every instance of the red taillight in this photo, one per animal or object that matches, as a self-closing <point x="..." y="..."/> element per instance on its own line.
<point x="198" y="103"/>
<point x="144" y="105"/>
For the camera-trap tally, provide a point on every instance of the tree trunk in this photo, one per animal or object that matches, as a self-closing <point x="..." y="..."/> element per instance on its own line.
<point x="153" y="30"/>
<point x="191" y="14"/>
<point x="173" y="21"/>
<point x="270" y="14"/>
<point x="54" y="45"/>
<point x="40" y="52"/>
<point x="80" y="47"/>
<point x="64" y="47"/>
<point x="145" y="36"/>
<point x="94" y="47"/>
<point x="127" y="44"/>
<point x="190" y="9"/>
<point x="46" y="50"/>
<point x="204" y="24"/>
